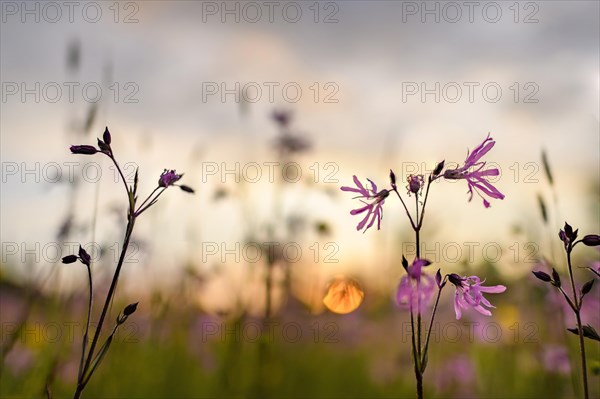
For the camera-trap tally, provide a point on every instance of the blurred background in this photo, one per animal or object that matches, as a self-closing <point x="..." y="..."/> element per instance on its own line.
<point x="268" y="108"/>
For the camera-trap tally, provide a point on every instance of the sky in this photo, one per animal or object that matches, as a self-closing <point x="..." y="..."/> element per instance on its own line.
<point x="373" y="85"/>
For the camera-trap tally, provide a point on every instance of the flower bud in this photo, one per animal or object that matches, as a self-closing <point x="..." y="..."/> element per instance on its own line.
<point x="563" y="237"/>
<point x="542" y="276"/>
<point x="84" y="256"/>
<point x="393" y="179"/>
<point x="187" y="189"/>
<point x="591" y="240"/>
<point x="70" y="259"/>
<point x="130" y="309"/>
<point x="569" y="234"/>
<point x="83" y="149"/>
<point x="555" y="278"/>
<point x="438" y="279"/>
<point x="404" y="263"/>
<point x="455" y="279"/>
<point x="438" y="168"/>
<point x="103" y="146"/>
<point x="106" y="136"/>
<point x="587" y="287"/>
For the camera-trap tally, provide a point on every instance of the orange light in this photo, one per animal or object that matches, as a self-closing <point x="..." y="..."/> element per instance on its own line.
<point x="344" y="295"/>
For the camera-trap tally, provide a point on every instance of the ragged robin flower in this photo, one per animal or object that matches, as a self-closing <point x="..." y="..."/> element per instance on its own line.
<point x="469" y="293"/>
<point x="475" y="175"/>
<point x="374" y="208"/>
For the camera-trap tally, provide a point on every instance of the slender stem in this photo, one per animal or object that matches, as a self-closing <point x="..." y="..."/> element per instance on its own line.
<point x="582" y="350"/>
<point x="419" y="333"/>
<point x="420" y="222"/>
<point x="417" y="211"/>
<point x="89" y="270"/>
<point x="571" y="304"/>
<point x="147" y="198"/>
<point x="417" y="352"/>
<point x="575" y="300"/>
<point x="418" y="375"/>
<point x="418" y="282"/>
<point x="437" y="300"/>
<point x="87" y="325"/>
<point x="579" y="326"/>
<point x="406" y="209"/>
<point x="111" y="156"/>
<point x="110" y="294"/>
<point x="101" y="353"/>
<point x="140" y="209"/>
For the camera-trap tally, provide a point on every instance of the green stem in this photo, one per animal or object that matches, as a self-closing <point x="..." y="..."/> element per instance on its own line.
<point x="579" y="325"/>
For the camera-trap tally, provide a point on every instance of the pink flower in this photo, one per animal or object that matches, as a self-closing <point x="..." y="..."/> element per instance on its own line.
<point x="374" y="209"/>
<point x="469" y="293"/>
<point x="476" y="178"/>
<point x="416" y="288"/>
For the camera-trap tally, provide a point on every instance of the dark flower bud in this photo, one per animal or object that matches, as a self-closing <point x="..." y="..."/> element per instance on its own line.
<point x="106" y="136"/>
<point x="187" y="189"/>
<point x="562" y="236"/>
<point x="84" y="256"/>
<point x="569" y="233"/>
<point x="404" y="263"/>
<point x="130" y="309"/>
<point x="438" y="279"/>
<point x="587" y="287"/>
<point x="590" y="332"/>
<point x="543" y="276"/>
<point x="455" y="279"/>
<point x="103" y="146"/>
<point x="555" y="278"/>
<point x="415" y="182"/>
<point x="70" y="259"/>
<point x="591" y="240"/>
<point x="83" y="149"/>
<point x="393" y="179"/>
<point x="568" y="229"/>
<point x="438" y="168"/>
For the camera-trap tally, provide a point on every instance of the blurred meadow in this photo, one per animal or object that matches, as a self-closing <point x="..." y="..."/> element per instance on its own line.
<point x="268" y="108"/>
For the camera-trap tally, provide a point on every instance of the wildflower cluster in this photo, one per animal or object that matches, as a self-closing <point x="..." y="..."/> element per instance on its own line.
<point x="417" y="288"/>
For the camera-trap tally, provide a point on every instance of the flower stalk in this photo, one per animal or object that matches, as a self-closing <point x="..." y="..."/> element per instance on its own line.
<point x="91" y="359"/>
<point x="569" y="238"/>
<point x="415" y="289"/>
